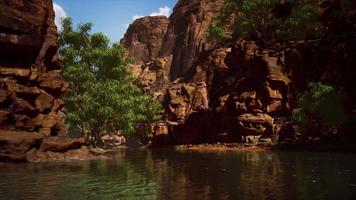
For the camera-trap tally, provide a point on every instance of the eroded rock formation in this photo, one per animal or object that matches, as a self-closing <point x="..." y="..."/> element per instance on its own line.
<point x="144" y="37"/>
<point x="186" y="34"/>
<point x="240" y="91"/>
<point x="31" y="83"/>
<point x="181" y="37"/>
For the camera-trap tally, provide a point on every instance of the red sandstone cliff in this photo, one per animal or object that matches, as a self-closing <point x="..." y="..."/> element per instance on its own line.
<point x="186" y="34"/>
<point x="31" y="84"/>
<point x="181" y="37"/>
<point x="144" y="37"/>
<point x="241" y="92"/>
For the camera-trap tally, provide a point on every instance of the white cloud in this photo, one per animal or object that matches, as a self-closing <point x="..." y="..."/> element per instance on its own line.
<point x="60" y="13"/>
<point x="136" y="17"/>
<point x="165" y="11"/>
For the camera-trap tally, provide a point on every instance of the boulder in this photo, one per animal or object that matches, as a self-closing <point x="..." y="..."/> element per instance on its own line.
<point x="47" y="120"/>
<point x="44" y="101"/>
<point x="255" y="124"/>
<point x="38" y="156"/>
<point x="159" y="128"/>
<point x="14" y="144"/>
<point x="53" y="80"/>
<point x="111" y="141"/>
<point x="61" y="144"/>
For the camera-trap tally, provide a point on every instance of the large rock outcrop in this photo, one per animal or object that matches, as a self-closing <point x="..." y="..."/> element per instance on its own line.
<point x="241" y="91"/>
<point x="31" y="83"/>
<point x="186" y="34"/>
<point x="144" y="37"/>
<point x="30" y="69"/>
<point x="181" y="37"/>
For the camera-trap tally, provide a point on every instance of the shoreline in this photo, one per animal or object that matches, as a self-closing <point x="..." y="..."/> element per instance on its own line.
<point x="282" y="147"/>
<point x="224" y="147"/>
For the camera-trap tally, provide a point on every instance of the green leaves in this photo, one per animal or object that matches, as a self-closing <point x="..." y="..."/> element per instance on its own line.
<point x="101" y="97"/>
<point x="217" y="32"/>
<point x="321" y="102"/>
<point x="272" y="19"/>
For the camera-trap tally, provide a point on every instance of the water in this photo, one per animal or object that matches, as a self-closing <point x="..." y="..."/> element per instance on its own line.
<point x="169" y="174"/>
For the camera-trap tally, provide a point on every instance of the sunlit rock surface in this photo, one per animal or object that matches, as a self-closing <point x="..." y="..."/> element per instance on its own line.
<point x="144" y="37"/>
<point x="245" y="91"/>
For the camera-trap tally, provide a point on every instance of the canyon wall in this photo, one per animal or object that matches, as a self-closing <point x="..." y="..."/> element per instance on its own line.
<point x="31" y="83"/>
<point x="144" y="37"/>
<point x="242" y="92"/>
<point x="186" y="33"/>
<point x="181" y="37"/>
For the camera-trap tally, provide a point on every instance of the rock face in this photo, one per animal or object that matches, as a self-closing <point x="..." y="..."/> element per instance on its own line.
<point x="181" y="37"/>
<point x="152" y="76"/>
<point x="30" y="69"/>
<point x="61" y="144"/>
<point x="144" y="37"/>
<point x="15" y="145"/>
<point x="185" y="98"/>
<point x="239" y="91"/>
<point x="31" y="83"/>
<point x="186" y="34"/>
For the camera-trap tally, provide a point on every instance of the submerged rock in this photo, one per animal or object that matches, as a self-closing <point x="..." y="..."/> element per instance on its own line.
<point x="83" y="153"/>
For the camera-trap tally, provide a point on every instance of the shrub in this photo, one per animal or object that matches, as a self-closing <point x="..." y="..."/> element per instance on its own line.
<point x="320" y="103"/>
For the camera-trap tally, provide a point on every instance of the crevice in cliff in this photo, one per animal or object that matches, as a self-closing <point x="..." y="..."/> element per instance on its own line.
<point x="10" y="31"/>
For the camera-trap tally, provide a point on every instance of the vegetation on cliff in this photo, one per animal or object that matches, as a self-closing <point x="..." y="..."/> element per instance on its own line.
<point x="320" y="107"/>
<point x="101" y="97"/>
<point x="266" y="20"/>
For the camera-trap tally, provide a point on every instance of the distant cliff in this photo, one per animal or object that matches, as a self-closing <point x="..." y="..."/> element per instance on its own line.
<point x="241" y="91"/>
<point x="144" y="37"/>
<point x="182" y="36"/>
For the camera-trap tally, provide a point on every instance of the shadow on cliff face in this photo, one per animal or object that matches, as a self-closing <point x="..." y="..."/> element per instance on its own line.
<point x="252" y="86"/>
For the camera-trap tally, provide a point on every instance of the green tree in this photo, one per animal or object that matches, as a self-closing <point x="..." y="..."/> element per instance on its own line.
<point x="268" y="19"/>
<point x="101" y="97"/>
<point x="321" y="104"/>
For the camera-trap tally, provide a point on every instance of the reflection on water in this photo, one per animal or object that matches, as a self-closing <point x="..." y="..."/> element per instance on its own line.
<point x="168" y="174"/>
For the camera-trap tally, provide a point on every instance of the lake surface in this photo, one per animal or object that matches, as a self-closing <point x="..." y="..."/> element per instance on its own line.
<point x="170" y="174"/>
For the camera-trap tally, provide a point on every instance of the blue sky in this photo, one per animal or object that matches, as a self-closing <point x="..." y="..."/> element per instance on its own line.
<point x="111" y="17"/>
